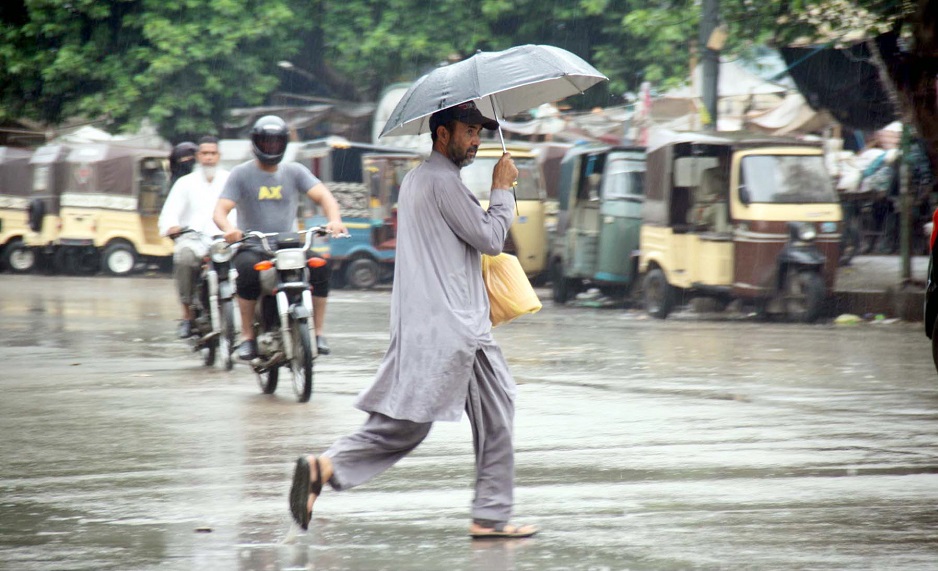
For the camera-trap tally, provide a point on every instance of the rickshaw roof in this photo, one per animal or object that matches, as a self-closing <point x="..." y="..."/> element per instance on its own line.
<point x="736" y="140"/>
<point x="109" y="169"/>
<point x="664" y="146"/>
<point x="100" y="152"/>
<point x="50" y="153"/>
<point x="15" y="173"/>
<point x="335" y="142"/>
<point x="12" y="154"/>
<point x="598" y="148"/>
<point x="518" y="146"/>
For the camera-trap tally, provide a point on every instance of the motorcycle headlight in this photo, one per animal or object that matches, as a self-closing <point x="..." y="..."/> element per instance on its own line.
<point x="220" y="251"/>
<point x="807" y="232"/>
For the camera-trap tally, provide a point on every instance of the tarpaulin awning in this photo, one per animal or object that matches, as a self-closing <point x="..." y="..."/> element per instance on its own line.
<point x="845" y="82"/>
<point x="793" y="115"/>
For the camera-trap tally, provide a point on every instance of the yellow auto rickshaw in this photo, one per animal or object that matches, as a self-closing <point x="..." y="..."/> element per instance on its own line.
<point x="528" y="236"/>
<point x="737" y="217"/>
<point x="15" y="182"/>
<point x="50" y="174"/>
<point x="110" y="208"/>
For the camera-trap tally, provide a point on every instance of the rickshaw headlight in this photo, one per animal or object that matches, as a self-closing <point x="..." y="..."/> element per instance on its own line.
<point x="220" y="251"/>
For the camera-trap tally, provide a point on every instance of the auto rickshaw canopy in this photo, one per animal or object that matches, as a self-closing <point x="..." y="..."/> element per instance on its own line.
<point x="666" y="200"/>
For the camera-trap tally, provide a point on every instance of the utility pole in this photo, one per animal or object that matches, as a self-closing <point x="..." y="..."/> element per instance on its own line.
<point x="711" y="42"/>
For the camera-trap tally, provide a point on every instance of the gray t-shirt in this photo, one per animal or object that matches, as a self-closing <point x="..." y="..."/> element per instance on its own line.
<point x="267" y="202"/>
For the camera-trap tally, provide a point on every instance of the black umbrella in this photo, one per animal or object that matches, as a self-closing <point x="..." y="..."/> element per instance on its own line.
<point x="501" y="83"/>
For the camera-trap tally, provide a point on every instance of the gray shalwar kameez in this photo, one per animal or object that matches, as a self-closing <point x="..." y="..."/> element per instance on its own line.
<point x="442" y="358"/>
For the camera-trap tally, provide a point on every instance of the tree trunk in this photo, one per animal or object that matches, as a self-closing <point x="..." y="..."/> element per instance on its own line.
<point x="915" y="74"/>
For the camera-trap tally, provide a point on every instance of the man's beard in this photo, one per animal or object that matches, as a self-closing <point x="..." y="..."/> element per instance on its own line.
<point x="461" y="159"/>
<point x="208" y="173"/>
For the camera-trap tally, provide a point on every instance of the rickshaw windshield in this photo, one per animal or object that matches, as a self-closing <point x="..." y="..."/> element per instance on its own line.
<point x="624" y="178"/>
<point x="478" y="177"/>
<point x="787" y="179"/>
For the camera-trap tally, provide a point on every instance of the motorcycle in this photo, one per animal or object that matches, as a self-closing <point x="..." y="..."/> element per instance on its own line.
<point x="213" y="305"/>
<point x="283" y="317"/>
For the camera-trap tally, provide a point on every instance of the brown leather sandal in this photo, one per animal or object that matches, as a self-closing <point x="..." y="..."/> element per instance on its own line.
<point x="303" y="486"/>
<point x="501" y="530"/>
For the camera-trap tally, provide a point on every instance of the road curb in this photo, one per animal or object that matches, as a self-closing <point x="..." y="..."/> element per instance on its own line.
<point x="903" y="302"/>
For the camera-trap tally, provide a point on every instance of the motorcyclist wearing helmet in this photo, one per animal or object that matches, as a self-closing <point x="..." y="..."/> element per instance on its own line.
<point x="267" y="194"/>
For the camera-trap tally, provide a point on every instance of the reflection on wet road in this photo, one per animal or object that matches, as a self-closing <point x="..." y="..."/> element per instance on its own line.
<point x="694" y="443"/>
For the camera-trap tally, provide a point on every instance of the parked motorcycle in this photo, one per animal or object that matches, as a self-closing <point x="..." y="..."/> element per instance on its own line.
<point x="283" y="322"/>
<point x="213" y="305"/>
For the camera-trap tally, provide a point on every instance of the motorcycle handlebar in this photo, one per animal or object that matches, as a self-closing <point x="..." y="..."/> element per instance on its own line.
<point x="263" y="236"/>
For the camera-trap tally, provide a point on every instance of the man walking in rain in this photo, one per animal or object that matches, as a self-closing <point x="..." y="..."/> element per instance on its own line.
<point x="442" y="358"/>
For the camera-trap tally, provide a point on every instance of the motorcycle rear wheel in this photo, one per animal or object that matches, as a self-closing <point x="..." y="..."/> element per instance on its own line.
<point x="302" y="362"/>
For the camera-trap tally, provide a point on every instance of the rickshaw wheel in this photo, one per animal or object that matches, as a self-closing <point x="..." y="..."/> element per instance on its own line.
<point x="19" y="258"/>
<point x="362" y="274"/>
<point x="934" y="343"/>
<point x="119" y="259"/>
<point x="658" y="293"/>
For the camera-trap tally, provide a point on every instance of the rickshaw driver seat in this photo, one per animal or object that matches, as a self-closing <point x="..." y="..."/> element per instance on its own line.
<point x="710" y="205"/>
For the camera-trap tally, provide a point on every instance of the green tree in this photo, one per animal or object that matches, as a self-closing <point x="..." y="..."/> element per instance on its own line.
<point x="182" y="64"/>
<point x="911" y="74"/>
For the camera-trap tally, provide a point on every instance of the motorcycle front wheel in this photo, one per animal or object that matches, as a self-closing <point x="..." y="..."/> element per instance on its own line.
<point x="268" y="380"/>
<point x="209" y="351"/>
<point x="804" y="296"/>
<point x="227" y="340"/>
<point x="302" y="362"/>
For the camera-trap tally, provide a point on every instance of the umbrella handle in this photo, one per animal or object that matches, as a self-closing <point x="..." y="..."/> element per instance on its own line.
<point x="501" y="138"/>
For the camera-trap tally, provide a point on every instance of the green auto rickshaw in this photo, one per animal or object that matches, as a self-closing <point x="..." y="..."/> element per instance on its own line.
<point x="601" y="193"/>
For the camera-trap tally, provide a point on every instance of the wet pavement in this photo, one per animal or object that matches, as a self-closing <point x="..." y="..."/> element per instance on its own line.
<point x="699" y="442"/>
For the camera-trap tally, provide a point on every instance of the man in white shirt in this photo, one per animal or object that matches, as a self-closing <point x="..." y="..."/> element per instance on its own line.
<point x="190" y="204"/>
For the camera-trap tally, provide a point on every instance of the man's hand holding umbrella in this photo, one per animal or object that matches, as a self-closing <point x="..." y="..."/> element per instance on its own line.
<point x="505" y="173"/>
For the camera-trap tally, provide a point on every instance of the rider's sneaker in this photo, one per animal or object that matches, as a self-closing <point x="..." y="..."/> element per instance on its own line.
<point x="247" y="351"/>
<point x="321" y="346"/>
<point x="185" y="329"/>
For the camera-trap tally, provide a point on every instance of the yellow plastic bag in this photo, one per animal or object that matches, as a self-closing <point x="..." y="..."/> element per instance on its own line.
<point x="510" y="292"/>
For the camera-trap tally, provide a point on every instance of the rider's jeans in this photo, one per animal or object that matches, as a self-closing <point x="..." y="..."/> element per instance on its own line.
<point x="187" y="266"/>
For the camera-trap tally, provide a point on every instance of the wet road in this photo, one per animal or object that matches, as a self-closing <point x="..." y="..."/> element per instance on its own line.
<point x="695" y="443"/>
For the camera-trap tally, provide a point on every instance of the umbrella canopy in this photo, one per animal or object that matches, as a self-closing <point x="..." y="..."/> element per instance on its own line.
<point x="501" y="83"/>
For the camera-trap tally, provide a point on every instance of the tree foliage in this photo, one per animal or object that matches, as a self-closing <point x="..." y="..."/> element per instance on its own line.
<point x="183" y="63"/>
